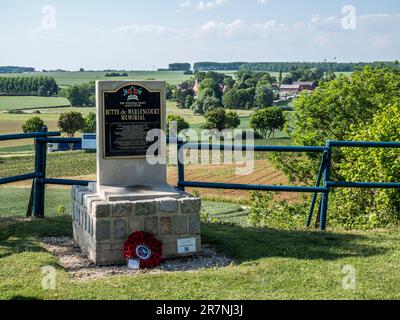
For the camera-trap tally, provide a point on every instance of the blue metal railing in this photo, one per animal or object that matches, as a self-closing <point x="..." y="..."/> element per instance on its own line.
<point x="323" y="186"/>
<point x="41" y="139"/>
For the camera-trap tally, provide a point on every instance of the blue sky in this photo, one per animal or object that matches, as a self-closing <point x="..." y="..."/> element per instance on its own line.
<point x="146" y="34"/>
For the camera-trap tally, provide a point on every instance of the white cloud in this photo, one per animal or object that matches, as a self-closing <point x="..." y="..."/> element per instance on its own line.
<point x="331" y="23"/>
<point x="148" y="31"/>
<point x="316" y="37"/>
<point x="206" y="5"/>
<point x="222" y="28"/>
<point x="269" y="25"/>
<point x="184" y="4"/>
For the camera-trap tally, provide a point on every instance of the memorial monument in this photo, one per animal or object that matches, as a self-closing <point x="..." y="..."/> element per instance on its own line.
<point x="131" y="193"/>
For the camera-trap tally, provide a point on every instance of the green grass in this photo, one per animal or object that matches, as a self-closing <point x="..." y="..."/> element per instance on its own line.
<point x="59" y="164"/>
<point x="14" y="201"/>
<point x="269" y="263"/>
<point x="13" y="103"/>
<point x="25" y="148"/>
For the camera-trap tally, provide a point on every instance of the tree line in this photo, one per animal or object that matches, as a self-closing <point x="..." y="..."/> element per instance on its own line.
<point x="323" y="66"/>
<point x="32" y="86"/>
<point x="13" y="69"/>
<point x="290" y="66"/>
<point x="216" y="66"/>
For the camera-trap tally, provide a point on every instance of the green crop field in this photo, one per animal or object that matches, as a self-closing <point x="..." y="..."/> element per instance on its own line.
<point x="13" y="103"/>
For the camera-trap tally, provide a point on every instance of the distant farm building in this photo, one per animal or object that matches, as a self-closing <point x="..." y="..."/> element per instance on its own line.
<point x="293" y="90"/>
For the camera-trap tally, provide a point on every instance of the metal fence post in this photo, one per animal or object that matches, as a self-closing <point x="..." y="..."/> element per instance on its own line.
<point x="327" y="178"/>
<point x="315" y="196"/>
<point x="181" y="164"/>
<point x="39" y="187"/>
<point x="43" y="170"/>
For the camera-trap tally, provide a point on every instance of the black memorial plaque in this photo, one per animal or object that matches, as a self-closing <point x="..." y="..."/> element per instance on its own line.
<point x="129" y="114"/>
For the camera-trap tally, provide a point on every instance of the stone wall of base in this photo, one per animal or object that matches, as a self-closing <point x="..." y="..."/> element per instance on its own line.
<point x="101" y="228"/>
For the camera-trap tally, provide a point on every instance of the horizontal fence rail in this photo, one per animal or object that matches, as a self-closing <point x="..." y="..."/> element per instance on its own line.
<point x="323" y="185"/>
<point x="22" y="177"/>
<point x="222" y="147"/>
<point x="364" y="144"/>
<point x="20" y="136"/>
<point x="249" y="187"/>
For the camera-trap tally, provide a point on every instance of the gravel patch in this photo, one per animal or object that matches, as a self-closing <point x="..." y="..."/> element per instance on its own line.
<point x="81" y="268"/>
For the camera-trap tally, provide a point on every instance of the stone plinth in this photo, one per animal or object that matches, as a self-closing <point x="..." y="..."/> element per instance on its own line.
<point x="102" y="226"/>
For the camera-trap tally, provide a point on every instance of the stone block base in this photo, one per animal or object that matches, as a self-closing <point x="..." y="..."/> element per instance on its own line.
<point x="101" y="227"/>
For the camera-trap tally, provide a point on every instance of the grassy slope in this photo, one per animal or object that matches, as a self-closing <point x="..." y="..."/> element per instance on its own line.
<point x="269" y="264"/>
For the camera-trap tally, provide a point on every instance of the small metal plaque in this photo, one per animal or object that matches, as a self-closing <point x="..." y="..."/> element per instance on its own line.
<point x="134" y="264"/>
<point x="186" y="246"/>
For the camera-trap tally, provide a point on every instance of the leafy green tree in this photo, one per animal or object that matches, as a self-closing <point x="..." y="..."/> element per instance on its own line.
<point x="182" y="92"/>
<point x="34" y="124"/>
<point x="90" y="123"/>
<point x="267" y="121"/>
<point x="42" y="91"/>
<point x="287" y="79"/>
<point x="264" y="96"/>
<point x="220" y="119"/>
<point x="280" y="79"/>
<point x="189" y="102"/>
<point x="81" y="95"/>
<point x="363" y="107"/>
<point x="228" y="82"/>
<point x="170" y="91"/>
<point x="210" y="103"/>
<point x="232" y="120"/>
<point x="71" y="122"/>
<point x="240" y="99"/>
<point x="74" y="96"/>
<point x="369" y="209"/>
<point x="44" y="86"/>
<point x="210" y="83"/>
<point x="181" y="123"/>
<point x="206" y="101"/>
<point x="232" y="99"/>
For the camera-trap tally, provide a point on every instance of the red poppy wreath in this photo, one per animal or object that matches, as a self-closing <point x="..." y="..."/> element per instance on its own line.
<point x="144" y="247"/>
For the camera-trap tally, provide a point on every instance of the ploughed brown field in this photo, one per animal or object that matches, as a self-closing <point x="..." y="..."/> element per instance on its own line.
<point x="264" y="174"/>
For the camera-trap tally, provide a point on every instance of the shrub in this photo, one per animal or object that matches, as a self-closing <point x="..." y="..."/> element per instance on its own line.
<point x="90" y="123"/>
<point x="34" y="124"/>
<point x="61" y="210"/>
<point x="220" y="119"/>
<point x="71" y="122"/>
<point x="265" y="212"/>
<point x="267" y="121"/>
<point x="182" y="124"/>
<point x="364" y="107"/>
<point x="367" y="209"/>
